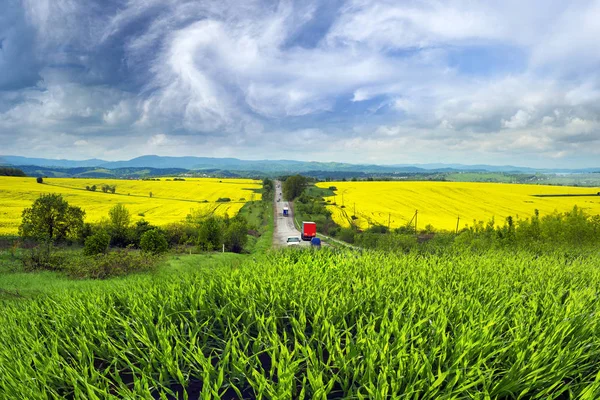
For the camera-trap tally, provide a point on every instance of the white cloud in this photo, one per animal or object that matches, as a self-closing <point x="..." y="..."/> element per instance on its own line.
<point x="376" y="76"/>
<point x="519" y="120"/>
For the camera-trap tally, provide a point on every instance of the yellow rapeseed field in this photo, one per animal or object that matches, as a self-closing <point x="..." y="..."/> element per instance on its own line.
<point x="441" y="203"/>
<point x="171" y="200"/>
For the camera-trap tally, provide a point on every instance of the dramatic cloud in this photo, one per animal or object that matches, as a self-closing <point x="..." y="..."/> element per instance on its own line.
<point x="357" y="81"/>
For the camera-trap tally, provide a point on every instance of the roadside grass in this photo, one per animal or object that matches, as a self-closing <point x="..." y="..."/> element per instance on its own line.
<point x="315" y="191"/>
<point x="22" y="285"/>
<point x="259" y="215"/>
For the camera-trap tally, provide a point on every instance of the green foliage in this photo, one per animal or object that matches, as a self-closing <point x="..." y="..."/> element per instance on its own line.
<point x="109" y="188"/>
<point x="9" y="171"/>
<point x="312" y="208"/>
<point x="223" y="200"/>
<point x="570" y="230"/>
<point x="347" y="235"/>
<point x="268" y="189"/>
<point x="52" y="219"/>
<point x="137" y="231"/>
<point x="112" y="264"/>
<point x="181" y="233"/>
<point x="210" y="235"/>
<point x="39" y="179"/>
<point x="236" y="235"/>
<point x="293" y="187"/>
<point x="303" y="325"/>
<point x="119" y="221"/>
<point x="42" y="257"/>
<point x="97" y="243"/>
<point x="154" y="242"/>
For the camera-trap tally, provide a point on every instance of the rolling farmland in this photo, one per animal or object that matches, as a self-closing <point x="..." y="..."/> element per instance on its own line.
<point x="171" y="200"/>
<point x="440" y="203"/>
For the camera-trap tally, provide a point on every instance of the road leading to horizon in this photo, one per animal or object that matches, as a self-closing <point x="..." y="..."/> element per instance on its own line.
<point x="284" y="226"/>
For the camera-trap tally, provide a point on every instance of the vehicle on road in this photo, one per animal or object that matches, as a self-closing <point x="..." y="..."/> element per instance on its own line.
<point x="286" y="211"/>
<point x="293" y="241"/>
<point x="315" y="243"/>
<point x="309" y="230"/>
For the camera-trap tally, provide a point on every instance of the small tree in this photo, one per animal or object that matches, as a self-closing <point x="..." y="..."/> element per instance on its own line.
<point x="113" y="189"/>
<point x="119" y="224"/>
<point x="137" y="231"/>
<point x="154" y="242"/>
<point x="236" y="235"/>
<point x="51" y="219"/>
<point x="293" y="186"/>
<point x="93" y="188"/>
<point x="211" y="234"/>
<point x="96" y="244"/>
<point x="40" y="179"/>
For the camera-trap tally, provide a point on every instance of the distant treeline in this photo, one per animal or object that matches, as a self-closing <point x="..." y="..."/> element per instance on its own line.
<point x="9" y="171"/>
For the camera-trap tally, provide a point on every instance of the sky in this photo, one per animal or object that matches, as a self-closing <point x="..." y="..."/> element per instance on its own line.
<point x="384" y="82"/>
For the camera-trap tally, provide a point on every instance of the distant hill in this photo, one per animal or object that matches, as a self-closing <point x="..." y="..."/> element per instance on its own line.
<point x="93" y="172"/>
<point x="269" y="167"/>
<point x="46" y="162"/>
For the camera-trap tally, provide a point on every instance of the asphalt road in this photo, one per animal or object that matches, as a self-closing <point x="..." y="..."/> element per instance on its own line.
<point x="284" y="226"/>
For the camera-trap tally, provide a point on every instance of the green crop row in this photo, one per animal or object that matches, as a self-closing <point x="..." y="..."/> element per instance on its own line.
<point x="302" y="324"/>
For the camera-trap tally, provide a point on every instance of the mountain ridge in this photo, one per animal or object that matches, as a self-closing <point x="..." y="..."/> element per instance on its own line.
<point x="271" y="166"/>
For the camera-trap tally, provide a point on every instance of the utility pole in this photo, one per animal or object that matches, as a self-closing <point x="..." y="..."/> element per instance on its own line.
<point x="389" y="220"/>
<point x="342" y="199"/>
<point x="355" y="209"/>
<point x="457" y="221"/>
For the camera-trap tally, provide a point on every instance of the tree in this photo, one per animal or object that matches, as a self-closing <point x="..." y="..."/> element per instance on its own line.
<point x="211" y="234"/>
<point x="268" y="189"/>
<point x="119" y="224"/>
<point x="293" y="187"/>
<point x="154" y="242"/>
<point x="96" y="244"/>
<point x="236" y="235"/>
<point x="139" y="228"/>
<point x="51" y="219"/>
<point x="93" y="188"/>
<point x="39" y="179"/>
<point x="9" y="171"/>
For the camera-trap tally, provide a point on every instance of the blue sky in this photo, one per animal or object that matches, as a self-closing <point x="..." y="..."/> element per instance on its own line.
<point x="389" y="82"/>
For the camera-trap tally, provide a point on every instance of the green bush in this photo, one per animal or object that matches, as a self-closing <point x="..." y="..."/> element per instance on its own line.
<point x="43" y="257"/>
<point x="115" y="263"/>
<point x="210" y="236"/>
<point x="236" y="235"/>
<point x="347" y="235"/>
<point x="178" y="234"/>
<point x="397" y="242"/>
<point x="154" y="242"/>
<point x="96" y="244"/>
<point x="137" y="231"/>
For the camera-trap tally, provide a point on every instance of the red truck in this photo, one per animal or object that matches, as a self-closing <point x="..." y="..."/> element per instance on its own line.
<point x="309" y="230"/>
